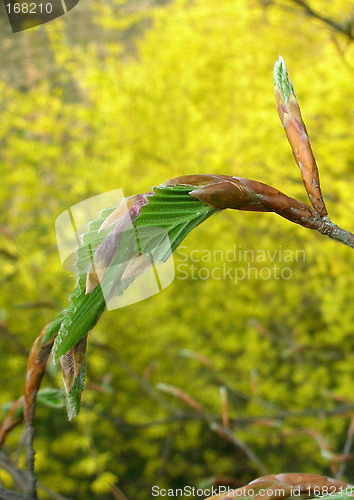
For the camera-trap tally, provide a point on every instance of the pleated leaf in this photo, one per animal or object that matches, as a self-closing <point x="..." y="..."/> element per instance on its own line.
<point x="173" y="212"/>
<point x="169" y="208"/>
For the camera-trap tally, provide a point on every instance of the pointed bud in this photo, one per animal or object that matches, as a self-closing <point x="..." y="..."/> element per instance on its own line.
<point x="295" y="128"/>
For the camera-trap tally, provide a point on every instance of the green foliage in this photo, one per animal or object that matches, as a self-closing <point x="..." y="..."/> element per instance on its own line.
<point x="84" y="310"/>
<point x="194" y="96"/>
<point x="50" y="397"/>
<point x="170" y="210"/>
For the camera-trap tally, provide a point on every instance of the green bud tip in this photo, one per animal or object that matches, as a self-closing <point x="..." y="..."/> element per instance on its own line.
<point x="282" y="80"/>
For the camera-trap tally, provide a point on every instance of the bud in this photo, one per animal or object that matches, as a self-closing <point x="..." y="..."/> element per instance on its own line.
<point x="295" y="129"/>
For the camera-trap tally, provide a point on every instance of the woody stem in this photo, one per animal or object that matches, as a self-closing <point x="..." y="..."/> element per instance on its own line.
<point x="328" y="228"/>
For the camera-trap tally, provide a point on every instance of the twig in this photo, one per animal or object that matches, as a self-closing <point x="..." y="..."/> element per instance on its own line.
<point x="36" y="365"/>
<point x="18" y="476"/>
<point x="118" y="493"/>
<point x="328" y="228"/>
<point x="50" y="492"/>
<point x="10" y="495"/>
<point x="12" y="419"/>
<point x="10" y="337"/>
<point x="182" y="396"/>
<point x="225" y="411"/>
<point x="345" y="29"/>
<point x="230" y="436"/>
<point x="31" y="490"/>
<point x="221" y="430"/>
<point x="342" y="52"/>
<point x="346" y="449"/>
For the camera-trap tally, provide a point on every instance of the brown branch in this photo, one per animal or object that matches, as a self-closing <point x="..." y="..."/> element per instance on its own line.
<point x="37" y="361"/>
<point x="12" y="419"/>
<point x="182" y="396"/>
<point x="118" y="493"/>
<point x="346" y="28"/>
<point x="239" y="193"/>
